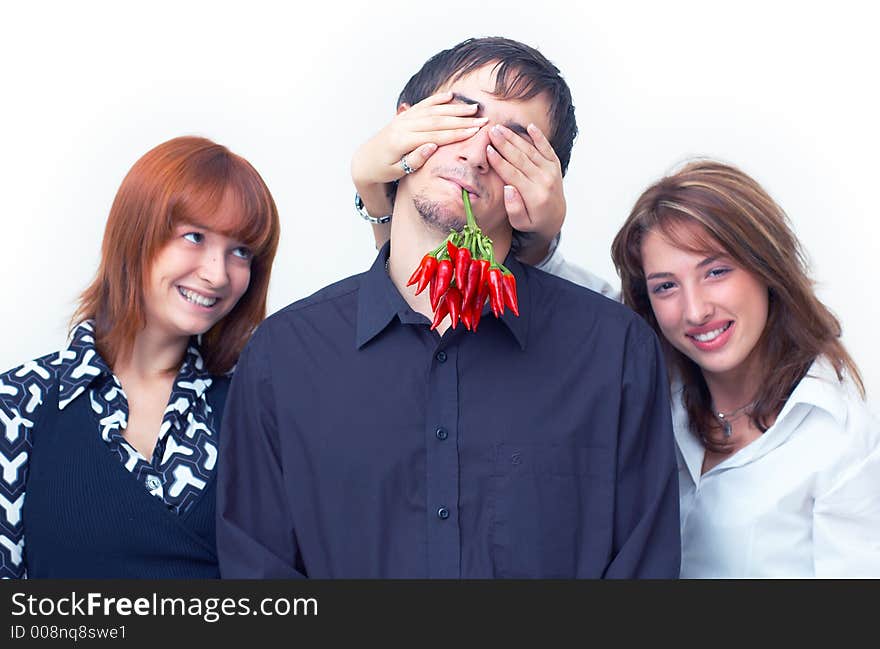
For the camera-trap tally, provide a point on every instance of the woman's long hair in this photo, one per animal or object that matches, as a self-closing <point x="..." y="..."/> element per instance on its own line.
<point x="181" y="180"/>
<point x="739" y="218"/>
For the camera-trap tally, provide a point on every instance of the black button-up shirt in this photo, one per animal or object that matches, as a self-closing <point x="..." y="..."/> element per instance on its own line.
<point x="358" y="443"/>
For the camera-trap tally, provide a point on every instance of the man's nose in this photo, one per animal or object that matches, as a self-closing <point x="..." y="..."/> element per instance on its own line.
<point x="473" y="150"/>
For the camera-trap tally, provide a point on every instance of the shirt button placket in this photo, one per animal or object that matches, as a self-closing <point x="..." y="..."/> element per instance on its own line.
<point x="441" y="435"/>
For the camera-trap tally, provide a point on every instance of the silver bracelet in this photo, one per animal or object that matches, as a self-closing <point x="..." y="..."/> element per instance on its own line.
<point x="359" y="206"/>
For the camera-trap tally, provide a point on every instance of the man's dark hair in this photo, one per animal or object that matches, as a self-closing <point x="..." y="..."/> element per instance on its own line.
<point x="522" y="73"/>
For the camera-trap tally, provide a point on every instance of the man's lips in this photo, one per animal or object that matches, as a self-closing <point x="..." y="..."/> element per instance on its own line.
<point x="470" y="188"/>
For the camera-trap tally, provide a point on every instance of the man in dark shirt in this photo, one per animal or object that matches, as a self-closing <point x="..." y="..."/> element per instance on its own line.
<point x="358" y="443"/>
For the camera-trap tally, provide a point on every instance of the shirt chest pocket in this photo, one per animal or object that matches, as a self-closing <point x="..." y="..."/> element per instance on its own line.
<point x="552" y="510"/>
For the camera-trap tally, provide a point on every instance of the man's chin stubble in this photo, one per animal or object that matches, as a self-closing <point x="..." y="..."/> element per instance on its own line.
<point x="435" y="216"/>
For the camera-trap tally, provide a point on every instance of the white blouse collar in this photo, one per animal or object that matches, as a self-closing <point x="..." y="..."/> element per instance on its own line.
<point x="820" y="388"/>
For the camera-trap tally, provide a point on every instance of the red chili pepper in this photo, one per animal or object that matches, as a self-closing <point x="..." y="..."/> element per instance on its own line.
<point x="417" y="273"/>
<point x="484" y="275"/>
<point x="467" y="278"/>
<point x="440" y="312"/>
<point x="508" y="282"/>
<point x="453" y="299"/>
<point x="467" y="317"/>
<point x="462" y="265"/>
<point x="442" y="279"/>
<point x="429" y="268"/>
<point x="477" y="310"/>
<point x="484" y="271"/>
<point x="452" y="249"/>
<point x="496" y="292"/>
<point x="473" y="282"/>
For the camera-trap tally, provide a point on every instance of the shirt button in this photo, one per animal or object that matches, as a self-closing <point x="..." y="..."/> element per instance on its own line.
<point x="441" y="356"/>
<point x="153" y="482"/>
<point x="443" y="513"/>
<point x="441" y="433"/>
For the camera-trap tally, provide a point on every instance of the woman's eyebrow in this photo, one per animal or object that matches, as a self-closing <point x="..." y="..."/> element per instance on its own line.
<point x="711" y="260"/>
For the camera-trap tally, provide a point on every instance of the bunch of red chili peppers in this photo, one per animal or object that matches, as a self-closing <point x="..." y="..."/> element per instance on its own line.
<point x="462" y="274"/>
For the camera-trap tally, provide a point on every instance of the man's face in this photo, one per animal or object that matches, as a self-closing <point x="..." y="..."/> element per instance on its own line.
<point x="436" y="187"/>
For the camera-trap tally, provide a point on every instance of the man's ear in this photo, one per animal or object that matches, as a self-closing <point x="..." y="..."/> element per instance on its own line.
<point x="403" y="106"/>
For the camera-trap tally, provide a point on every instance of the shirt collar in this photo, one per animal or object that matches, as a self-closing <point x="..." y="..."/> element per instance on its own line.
<point x="689" y="446"/>
<point x="379" y="302"/>
<point x="820" y="388"/>
<point x="191" y="383"/>
<point x="79" y="364"/>
<point x="193" y="371"/>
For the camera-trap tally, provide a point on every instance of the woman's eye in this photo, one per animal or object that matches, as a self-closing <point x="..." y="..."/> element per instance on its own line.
<point x="718" y="272"/>
<point x="194" y="237"/>
<point x="662" y="287"/>
<point x="243" y="252"/>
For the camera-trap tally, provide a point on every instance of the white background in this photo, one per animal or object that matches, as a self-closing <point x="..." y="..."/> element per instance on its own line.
<point x="787" y="91"/>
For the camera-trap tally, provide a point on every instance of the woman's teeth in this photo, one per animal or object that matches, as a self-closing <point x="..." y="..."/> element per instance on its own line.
<point x="712" y="335"/>
<point x="196" y="298"/>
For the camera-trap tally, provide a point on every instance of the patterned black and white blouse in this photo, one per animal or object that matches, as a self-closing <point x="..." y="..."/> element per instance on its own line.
<point x="184" y="457"/>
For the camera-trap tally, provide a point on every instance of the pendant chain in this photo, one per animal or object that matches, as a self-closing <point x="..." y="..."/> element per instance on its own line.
<point x="725" y="419"/>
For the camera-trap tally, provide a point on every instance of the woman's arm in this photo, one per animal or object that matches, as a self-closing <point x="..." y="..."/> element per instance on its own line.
<point x="846" y="520"/>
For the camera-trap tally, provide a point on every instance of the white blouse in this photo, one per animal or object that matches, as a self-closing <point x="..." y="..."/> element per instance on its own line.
<point x="803" y="500"/>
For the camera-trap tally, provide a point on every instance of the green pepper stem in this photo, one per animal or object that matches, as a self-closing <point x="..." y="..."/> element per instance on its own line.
<point x="480" y="249"/>
<point x="491" y="248"/>
<point x="471" y="221"/>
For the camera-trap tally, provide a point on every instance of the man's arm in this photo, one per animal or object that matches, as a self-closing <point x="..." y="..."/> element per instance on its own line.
<point x="255" y="536"/>
<point x="647" y="541"/>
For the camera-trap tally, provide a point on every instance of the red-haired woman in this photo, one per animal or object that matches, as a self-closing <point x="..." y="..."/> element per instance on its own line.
<point x="779" y="457"/>
<point x="110" y="445"/>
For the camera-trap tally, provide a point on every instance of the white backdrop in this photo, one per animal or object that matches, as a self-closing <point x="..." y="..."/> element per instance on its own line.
<point x="786" y="90"/>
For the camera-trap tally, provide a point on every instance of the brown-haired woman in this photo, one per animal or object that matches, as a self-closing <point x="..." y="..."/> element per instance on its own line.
<point x="114" y="438"/>
<point x="779" y="457"/>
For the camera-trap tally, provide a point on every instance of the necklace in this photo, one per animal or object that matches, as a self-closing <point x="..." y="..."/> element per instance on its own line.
<point x="725" y="419"/>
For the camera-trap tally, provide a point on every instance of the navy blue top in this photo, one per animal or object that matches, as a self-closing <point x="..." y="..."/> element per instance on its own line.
<point x="357" y="443"/>
<point x="87" y="517"/>
<point x="178" y="476"/>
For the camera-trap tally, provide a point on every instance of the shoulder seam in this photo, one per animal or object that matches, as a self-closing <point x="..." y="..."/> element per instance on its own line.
<point x="311" y="301"/>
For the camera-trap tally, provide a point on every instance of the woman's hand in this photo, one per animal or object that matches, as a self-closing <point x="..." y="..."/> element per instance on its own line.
<point x="533" y="195"/>
<point x="530" y="169"/>
<point x="415" y="132"/>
